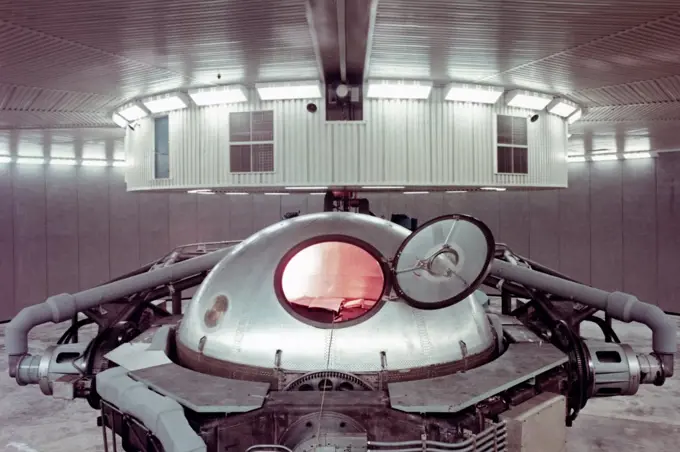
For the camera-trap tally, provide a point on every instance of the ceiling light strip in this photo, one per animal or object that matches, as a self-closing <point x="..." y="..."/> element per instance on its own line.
<point x="165" y="104"/>
<point x="481" y="94"/>
<point x="289" y="91"/>
<point x="562" y="107"/>
<point x="527" y="100"/>
<point x="398" y="89"/>
<point x="220" y="95"/>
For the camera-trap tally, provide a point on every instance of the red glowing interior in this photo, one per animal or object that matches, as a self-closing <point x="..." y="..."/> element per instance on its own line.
<point x="332" y="281"/>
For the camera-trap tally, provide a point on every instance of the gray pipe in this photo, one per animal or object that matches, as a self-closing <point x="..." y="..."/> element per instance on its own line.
<point x="621" y="306"/>
<point x="62" y="307"/>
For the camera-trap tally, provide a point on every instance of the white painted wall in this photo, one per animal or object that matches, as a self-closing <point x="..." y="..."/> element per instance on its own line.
<point x="430" y="143"/>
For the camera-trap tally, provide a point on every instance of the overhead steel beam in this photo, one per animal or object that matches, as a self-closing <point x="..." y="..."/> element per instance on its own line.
<point x="342" y="38"/>
<point x="372" y="14"/>
<point x="340" y="33"/>
<point x="311" y="22"/>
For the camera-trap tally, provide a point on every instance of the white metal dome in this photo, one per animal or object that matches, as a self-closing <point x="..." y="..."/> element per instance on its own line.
<point x="238" y="315"/>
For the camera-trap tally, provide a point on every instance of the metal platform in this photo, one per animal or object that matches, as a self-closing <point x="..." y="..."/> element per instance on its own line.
<point x="453" y="393"/>
<point x="517" y="331"/>
<point x="200" y="392"/>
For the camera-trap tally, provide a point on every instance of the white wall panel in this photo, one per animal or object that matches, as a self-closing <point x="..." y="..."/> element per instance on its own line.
<point x="425" y="143"/>
<point x="62" y="150"/>
<point x="94" y="150"/>
<point x="119" y="150"/>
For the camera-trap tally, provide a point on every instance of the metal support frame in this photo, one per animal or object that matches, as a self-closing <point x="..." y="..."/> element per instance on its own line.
<point x="74" y="324"/>
<point x="176" y="306"/>
<point x="506" y="302"/>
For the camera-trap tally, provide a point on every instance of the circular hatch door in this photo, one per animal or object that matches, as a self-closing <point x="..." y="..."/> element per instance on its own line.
<point x="443" y="261"/>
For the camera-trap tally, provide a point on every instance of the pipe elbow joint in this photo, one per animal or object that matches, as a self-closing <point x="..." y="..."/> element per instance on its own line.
<point x="13" y="364"/>
<point x="667" y="362"/>
<point x="63" y="306"/>
<point x="664" y="329"/>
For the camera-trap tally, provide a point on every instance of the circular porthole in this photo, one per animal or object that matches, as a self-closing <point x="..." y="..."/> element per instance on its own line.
<point x="332" y="281"/>
<point x="216" y="311"/>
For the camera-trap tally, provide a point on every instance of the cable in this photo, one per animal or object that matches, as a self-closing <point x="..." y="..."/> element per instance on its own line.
<point x="70" y="331"/>
<point x="609" y="333"/>
<point x="323" y="389"/>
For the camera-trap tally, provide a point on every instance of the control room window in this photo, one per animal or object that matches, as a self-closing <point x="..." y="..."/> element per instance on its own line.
<point x="512" y="145"/>
<point x="161" y="148"/>
<point x="251" y="142"/>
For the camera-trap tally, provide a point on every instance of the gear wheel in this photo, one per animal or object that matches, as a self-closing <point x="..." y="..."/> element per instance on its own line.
<point x="328" y="381"/>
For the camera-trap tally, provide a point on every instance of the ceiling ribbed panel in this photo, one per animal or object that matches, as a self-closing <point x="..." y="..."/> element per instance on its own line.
<point x="469" y="39"/>
<point x="36" y="59"/>
<point x="69" y="63"/>
<point x="660" y="90"/>
<point x="241" y="39"/>
<point x="645" y="52"/>
<point x="65" y="57"/>
<point x="33" y="119"/>
<point x="16" y="97"/>
<point x="661" y="111"/>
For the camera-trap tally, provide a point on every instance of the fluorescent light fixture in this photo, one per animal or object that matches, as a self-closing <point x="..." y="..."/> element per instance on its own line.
<point x="473" y="93"/>
<point x="219" y="95"/>
<point x="291" y="90"/>
<point x="526" y="99"/>
<point x="205" y="192"/>
<point x="456" y="191"/>
<point x="575" y="117"/>
<point x="637" y="155"/>
<point x="31" y="160"/>
<point x="396" y="89"/>
<point x="163" y="104"/>
<point x="384" y="187"/>
<point x="199" y="190"/>
<point x="68" y="162"/>
<point x="276" y="194"/>
<point x="236" y="193"/>
<point x="562" y="107"/>
<point x="306" y="188"/>
<point x="603" y="157"/>
<point x="119" y="163"/>
<point x="5" y="159"/>
<point x="119" y="120"/>
<point x="132" y="113"/>
<point x="94" y="163"/>
<point x="318" y="194"/>
<point x="492" y="188"/>
<point x="416" y="192"/>
<point x="575" y="158"/>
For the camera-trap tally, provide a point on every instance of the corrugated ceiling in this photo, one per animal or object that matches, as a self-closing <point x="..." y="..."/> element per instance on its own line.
<point x="67" y="63"/>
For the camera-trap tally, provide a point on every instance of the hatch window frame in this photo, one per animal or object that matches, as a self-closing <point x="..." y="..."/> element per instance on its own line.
<point x="380" y="259"/>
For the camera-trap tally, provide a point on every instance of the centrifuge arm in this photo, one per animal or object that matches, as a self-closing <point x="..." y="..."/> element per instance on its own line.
<point x="618" y="305"/>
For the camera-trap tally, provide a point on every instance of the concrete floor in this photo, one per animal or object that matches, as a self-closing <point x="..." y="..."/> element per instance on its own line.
<point x="648" y="421"/>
